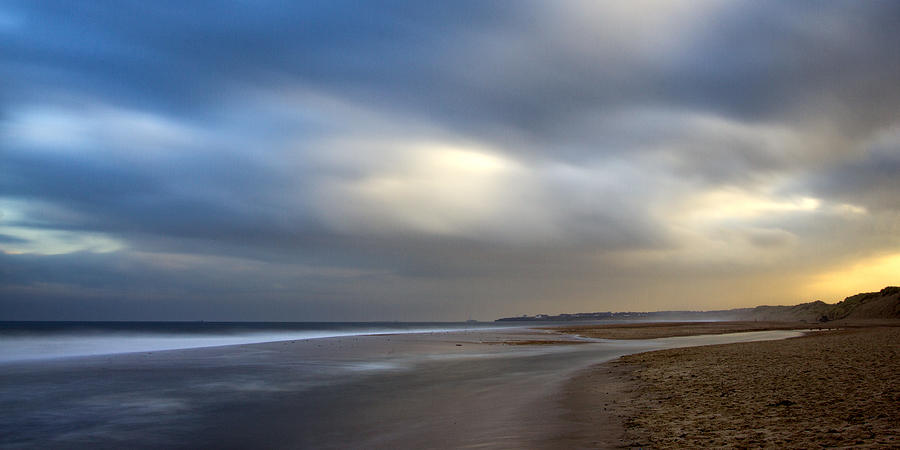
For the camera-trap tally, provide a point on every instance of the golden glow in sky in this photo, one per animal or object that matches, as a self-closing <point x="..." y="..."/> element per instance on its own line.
<point x="863" y="276"/>
<point x="397" y="163"/>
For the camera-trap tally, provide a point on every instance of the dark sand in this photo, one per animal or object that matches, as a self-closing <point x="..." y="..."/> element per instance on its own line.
<point x="826" y="389"/>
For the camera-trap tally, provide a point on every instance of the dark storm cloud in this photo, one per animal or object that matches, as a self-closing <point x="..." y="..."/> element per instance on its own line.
<point x="513" y="147"/>
<point x="482" y="67"/>
<point x="771" y="59"/>
<point x="872" y="182"/>
<point x="184" y="56"/>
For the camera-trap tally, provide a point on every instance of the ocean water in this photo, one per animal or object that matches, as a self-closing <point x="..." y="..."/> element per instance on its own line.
<point x="22" y="341"/>
<point x="381" y="385"/>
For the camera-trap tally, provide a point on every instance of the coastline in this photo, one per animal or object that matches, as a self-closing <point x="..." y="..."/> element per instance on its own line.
<point x="834" y="388"/>
<point x="657" y="330"/>
<point x="442" y="389"/>
<point x="493" y="389"/>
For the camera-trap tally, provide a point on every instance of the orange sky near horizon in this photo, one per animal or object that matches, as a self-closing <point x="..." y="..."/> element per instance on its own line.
<point x="866" y="275"/>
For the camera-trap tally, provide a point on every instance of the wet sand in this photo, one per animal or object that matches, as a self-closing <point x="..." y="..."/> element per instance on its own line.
<point x="485" y="389"/>
<point x="829" y="388"/>
<point x="431" y="390"/>
<point x="656" y="330"/>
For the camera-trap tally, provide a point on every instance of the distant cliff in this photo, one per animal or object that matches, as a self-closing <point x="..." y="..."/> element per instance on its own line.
<point x="807" y="312"/>
<point x="655" y="315"/>
<point x="872" y="305"/>
<point x="884" y="304"/>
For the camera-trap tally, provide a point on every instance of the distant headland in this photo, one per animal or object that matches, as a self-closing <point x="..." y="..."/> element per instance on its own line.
<point x="884" y="304"/>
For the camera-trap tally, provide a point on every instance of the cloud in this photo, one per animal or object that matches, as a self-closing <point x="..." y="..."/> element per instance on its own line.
<point x="568" y="155"/>
<point x="436" y="189"/>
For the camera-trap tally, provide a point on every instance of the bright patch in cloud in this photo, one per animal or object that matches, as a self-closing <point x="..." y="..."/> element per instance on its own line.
<point x="728" y="204"/>
<point x="95" y="128"/>
<point x="25" y="239"/>
<point x="435" y="189"/>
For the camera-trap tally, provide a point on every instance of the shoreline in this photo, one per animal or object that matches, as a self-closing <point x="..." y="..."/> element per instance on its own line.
<point x="656" y="330"/>
<point x="442" y="390"/>
<point x="839" y="387"/>
<point x="494" y="389"/>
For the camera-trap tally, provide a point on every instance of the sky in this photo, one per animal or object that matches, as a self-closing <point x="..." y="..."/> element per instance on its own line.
<point x="404" y="160"/>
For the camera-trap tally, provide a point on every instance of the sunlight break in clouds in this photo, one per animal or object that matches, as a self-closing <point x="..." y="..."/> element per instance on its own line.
<point x="730" y="204"/>
<point x="20" y="238"/>
<point x="436" y="189"/>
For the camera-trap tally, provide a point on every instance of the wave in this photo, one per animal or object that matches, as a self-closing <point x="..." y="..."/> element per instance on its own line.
<point x="37" y="342"/>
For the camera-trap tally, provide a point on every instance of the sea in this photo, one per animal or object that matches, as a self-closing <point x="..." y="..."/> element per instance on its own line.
<point x="36" y="340"/>
<point x="295" y="385"/>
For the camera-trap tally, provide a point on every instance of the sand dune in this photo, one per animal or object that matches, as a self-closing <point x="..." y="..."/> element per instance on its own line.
<point x="884" y="304"/>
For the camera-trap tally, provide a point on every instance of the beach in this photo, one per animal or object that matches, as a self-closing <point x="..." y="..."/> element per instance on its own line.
<point x="838" y="388"/>
<point x="655" y="330"/>
<point x="477" y="388"/>
<point x="658" y="385"/>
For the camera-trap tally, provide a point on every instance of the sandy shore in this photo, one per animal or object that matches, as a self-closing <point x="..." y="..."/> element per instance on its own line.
<point x="466" y="389"/>
<point x="479" y="388"/>
<point x="829" y="388"/>
<point x="657" y="330"/>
